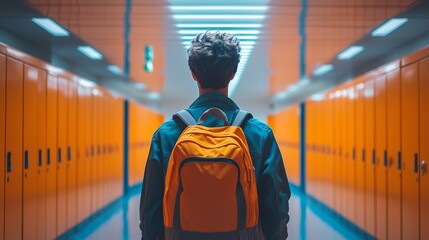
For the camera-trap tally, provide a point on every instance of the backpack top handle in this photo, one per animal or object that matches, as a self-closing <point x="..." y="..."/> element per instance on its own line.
<point x="215" y="112"/>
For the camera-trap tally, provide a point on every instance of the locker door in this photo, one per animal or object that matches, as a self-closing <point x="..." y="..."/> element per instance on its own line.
<point x="410" y="147"/>
<point x="350" y="156"/>
<point x="393" y="158"/>
<point x="30" y="152"/>
<point x="359" y="155"/>
<point x="95" y="132"/>
<point x="62" y="155"/>
<point x="81" y="156"/>
<point x="14" y="156"/>
<point x="381" y="158"/>
<point x="369" y="158"/>
<point x="2" y="138"/>
<point x="340" y="162"/>
<point x="51" y="157"/>
<point x="90" y="151"/>
<point x="41" y="162"/>
<point x="72" y="156"/>
<point x="424" y="149"/>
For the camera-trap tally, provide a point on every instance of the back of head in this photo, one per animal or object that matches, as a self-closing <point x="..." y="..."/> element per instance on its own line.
<point x="213" y="58"/>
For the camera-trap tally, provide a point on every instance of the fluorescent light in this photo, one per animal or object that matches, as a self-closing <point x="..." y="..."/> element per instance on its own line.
<point x="244" y="37"/>
<point x="51" y="27"/>
<point x="389" y="27"/>
<point x="87" y="83"/>
<point x="90" y="52"/>
<point x="247" y="47"/>
<point x="220" y="25"/>
<point x="350" y="52"/>
<point x="322" y="69"/>
<point x="114" y="69"/>
<point x="317" y="97"/>
<point x="235" y="32"/>
<point x="218" y="8"/>
<point x="218" y="16"/>
<point x="97" y="92"/>
<point x="247" y="43"/>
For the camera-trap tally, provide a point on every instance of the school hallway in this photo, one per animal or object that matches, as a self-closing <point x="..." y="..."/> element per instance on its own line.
<point x="342" y="84"/>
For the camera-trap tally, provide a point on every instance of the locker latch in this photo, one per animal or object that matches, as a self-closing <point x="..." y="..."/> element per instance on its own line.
<point x="424" y="167"/>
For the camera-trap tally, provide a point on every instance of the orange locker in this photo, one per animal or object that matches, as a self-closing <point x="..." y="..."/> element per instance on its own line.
<point x="30" y="197"/>
<point x="51" y="157"/>
<point x="14" y="154"/>
<point x="381" y="158"/>
<point x="81" y="156"/>
<point x="341" y="153"/>
<point x="41" y="146"/>
<point x="359" y="153"/>
<point x="410" y="151"/>
<point x="338" y="165"/>
<point x="394" y="155"/>
<point x="369" y="157"/>
<point x="350" y="162"/>
<point x="424" y="147"/>
<point x="72" y="156"/>
<point x="89" y="152"/>
<point x="2" y="137"/>
<point x="62" y="155"/>
<point x="334" y="151"/>
<point x="94" y="158"/>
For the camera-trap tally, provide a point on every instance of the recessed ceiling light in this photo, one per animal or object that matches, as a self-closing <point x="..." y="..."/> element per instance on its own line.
<point x="350" y="52"/>
<point x="322" y="69"/>
<point x="389" y="27"/>
<point x="87" y="83"/>
<point x="220" y="25"/>
<point x="114" y="69"/>
<point x="219" y="8"/>
<point x="218" y="16"/>
<point x="51" y="27"/>
<point x="90" y="52"/>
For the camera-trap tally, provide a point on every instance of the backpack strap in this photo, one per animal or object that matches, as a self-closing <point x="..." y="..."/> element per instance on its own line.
<point x="186" y="117"/>
<point x="240" y="118"/>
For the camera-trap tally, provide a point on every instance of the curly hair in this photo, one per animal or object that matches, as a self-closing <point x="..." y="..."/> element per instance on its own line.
<point x="213" y="58"/>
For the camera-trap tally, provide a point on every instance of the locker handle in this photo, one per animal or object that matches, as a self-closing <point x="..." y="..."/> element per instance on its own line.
<point x="399" y="160"/>
<point x="373" y="156"/>
<point x="48" y="157"/>
<point x="385" y="157"/>
<point x="363" y="155"/>
<point x="26" y="159"/>
<point x="9" y="162"/>
<point x="68" y="153"/>
<point x="98" y="150"/>
<point x="40" y="158"/>
<point x="424" y="167"/>
<point x="416" y="163"/>
<point x="92" y="151"/>
<point x="59" y="155"/>
<point x="354" y="153"/>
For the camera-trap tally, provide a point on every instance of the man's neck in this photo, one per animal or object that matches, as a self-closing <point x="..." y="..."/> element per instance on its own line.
<point x="223" y="91"/>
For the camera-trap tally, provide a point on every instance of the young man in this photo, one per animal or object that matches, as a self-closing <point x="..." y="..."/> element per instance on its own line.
<point x="213" y="60"/>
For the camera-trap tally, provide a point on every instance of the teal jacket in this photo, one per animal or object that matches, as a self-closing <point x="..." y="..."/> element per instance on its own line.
<point x="272" y="182"/>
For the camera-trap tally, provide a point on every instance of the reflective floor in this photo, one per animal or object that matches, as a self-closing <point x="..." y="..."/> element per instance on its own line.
<point x="307" y="221"/>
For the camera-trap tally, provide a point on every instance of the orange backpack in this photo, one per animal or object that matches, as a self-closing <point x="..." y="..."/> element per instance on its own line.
<point x="210" y="185"/>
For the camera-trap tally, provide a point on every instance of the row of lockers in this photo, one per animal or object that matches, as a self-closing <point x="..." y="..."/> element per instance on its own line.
<point x="143" y="123"/>
<point x="62" y="147"/>
<point x="367" y="146"/>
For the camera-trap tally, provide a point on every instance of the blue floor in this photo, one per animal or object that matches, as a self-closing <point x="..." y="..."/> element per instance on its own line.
<point x="307" y="221"/>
